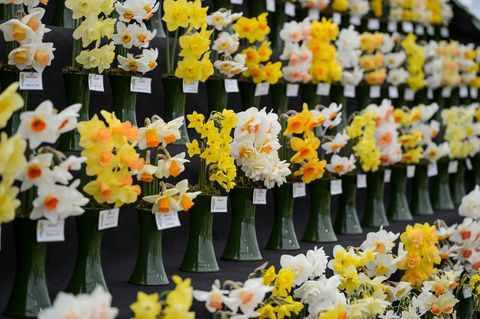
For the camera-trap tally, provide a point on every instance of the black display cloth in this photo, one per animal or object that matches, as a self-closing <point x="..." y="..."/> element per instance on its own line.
<point x="119" y="248"/>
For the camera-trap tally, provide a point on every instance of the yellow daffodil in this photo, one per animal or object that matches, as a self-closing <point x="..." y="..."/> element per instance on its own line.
<point x="146" y="306"/>
<point x="312" y="170"/>
<point x="10" y="101"/>
<point x="176" y="14"/>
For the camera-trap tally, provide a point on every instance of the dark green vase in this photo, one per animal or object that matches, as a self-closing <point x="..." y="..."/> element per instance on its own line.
<point x="465" y="308"/>
<point x="309" y="95"/>
<point x="421" y="204"/>
<point x="283" y="236"/>
<point x="175" y="104"/>
<point x="319" y="226"/>
<point x="457" y="183"/>
<point x="247" y="94"/>
<point x="149" y="270"/>
<point x="242" y="241"/>
<point x="399" y="209"/>
<point x="6" y="79"/>
<point x="276" y="21"/>
<point x="88" y="272"/>
<point x="441" y="196"/>
<point x="62" y="16"/>
<point x="375" y="214"/>
<point x="76" y="91"/>
<point x="29" y="291"/>
<point x="216" y="94"/>
<point x="124" y="100"/>
<point x="200" y="254"/>
<point x="278" y="94"/>
<point x="347" y="221"/>
<point x="474" y="177"/>
<point x="362" y="96"/>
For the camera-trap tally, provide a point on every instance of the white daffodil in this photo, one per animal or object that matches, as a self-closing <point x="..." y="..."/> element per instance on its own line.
<point x="126" y="34"/>
<point x="132" y="64"/>
<point x="143" y="36"/>
<point x="150" y="57"/>
<point x="40" y="126"/>
<point x="226" y="43"/>
<point x="34" y="20"/>
<point x="63" y="170"/>
<point x="319" y="260"/>
<point x="333" y="115"/>
<point x="42" y="54"/>
<point x="470" y="206"/>
<point x="37" y="171"/>
<point x="16" y="30"/>
<point x="129" y="11"/>
<point x="218" y="19"/>
<point x="213" y="299"/>
<point x="397" y="76"/>
<point x="381" y="242"/>
<point x="185" y="198"/>
<point x="164" y="202"/>
<point x="434" y="152"/>
<point x="21" y="57"/>
<point x="335" y="145"/>
<point x="248" y="297"/>
<point x="300" y="265"/>
<point x="339" y="165"/>
<point x="68" y="118"/>
<point x="230" y="67"/>
<point x="171" y="166"/>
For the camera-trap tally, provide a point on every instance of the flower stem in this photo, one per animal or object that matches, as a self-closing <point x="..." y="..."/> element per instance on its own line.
<point x="202" y="176"/>
<point x="174" y="51"/>
<point x="169" y="67"/>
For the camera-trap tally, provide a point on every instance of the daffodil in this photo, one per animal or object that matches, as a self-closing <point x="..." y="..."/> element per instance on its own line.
<point x="10" y="101"/>
<point x="176" y="14"/>
<point x="146" y="306"/>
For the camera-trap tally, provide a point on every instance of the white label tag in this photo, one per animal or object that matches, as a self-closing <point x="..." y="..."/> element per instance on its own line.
<point x="260" y="196"/>
<point x="299" y="190"/>
<point x="262" y="89"/>
<point x="393" y="92"/>
<point x="167" y="220"/>
<point x="335" y="186"/>
<point x="430" y="30"/>
<point x="452" y="167"/>
<point x="373" y="24"/>
<point x="50" y="232"/>
<point x="337" y="18"/>
<point x="387" y="176"/>
<point x="409" y="94"/>
<point x="474" y="93"/>
<point x="407" y="27"/>
<point x="292" y="89"/>
<point x="355" y="20"/>
<point x="361" y="181"/>
<point x="190" y="88"/>
<point x="219" y="204"/>
<point x="375" y="91"/>
<point x="236" y="1"/>
<point x="392" y="26"/>
<point x="430" y="94"/>
<point x="323" y="89"/>
<point x="463" y="92"/>
<point x="349" y="90"/>
<point x="419" y="29"/>
<point x="31" y="81"/>
<point x="108" y="218"/>
<point x="231" y="85"/>
<point x="271" y="5"/>
<point x="410" y="171"/>
<point x="446" y="92"/>
<point x="432" y="170"/>
<point x="141" y="85"/>
<point x="314" y="14"/>
<point x="95" y="82"/>
<point x="444" y="32"/>
<point x="289" y="9"/>
<point x="468" y="164"/>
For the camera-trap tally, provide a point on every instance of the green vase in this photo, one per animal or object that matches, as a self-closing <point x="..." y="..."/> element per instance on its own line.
<point x="399" y="209"/>
<point x="62" y="16"/>
<point x="278" y="94"/>
<point x="441" y="196"/>
<point x="242" y="241"/>
<point x="457" y="183"/>
<point x="6" y="79"/>
<point x="421" y="204"/>
<point x="200" y="254"/>
<point x="375" y="214"/>
<point x="29" y="291"/>
<point x="309" y="95"/>
<point x="319" y="226"/>
<point x="474" y="176"/>
<point x="175" y="104"/>
<point x="465" y="308"/>
<point x="124" y="100"/>
<point x="421" y="97"/>
<point x="283" y="236"/>
<point x="247" y="94"/>
<point x="362" y="96"/>
<point x="216" y="94"/>
<point x="347" y="221"/>
<point x="149" y="270"/>
<point x="88" y="272"/>
<point x="454" y="99"/>
<point x="440" y="100"/>
<point x="255" y="8"/>
<point x="76" y="91"/>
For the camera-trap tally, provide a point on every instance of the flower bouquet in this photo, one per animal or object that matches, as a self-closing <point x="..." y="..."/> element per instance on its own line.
<point x="228" y="62"/>
<point x="109" y="149"/>
<point x="261" y="73"/>
<point x="415" y="60"/>
<point x="217" y="167"/>
<point x="187" y="19"/>
<point x="48" y="195"/>
<point x="255" y="148"/>
<point x="131" y="36"/>
<point x="161" y="202"/>
<point x="26" y="55"/>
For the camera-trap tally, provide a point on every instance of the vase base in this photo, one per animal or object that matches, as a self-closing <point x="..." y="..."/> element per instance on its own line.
<point x="195" y="270"/>
<point x="252" y="258"/>
<point x="149" y="282"/>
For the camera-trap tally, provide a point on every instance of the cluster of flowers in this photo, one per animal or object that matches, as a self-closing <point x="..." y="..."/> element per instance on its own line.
<point x="26" y="32"/>
<point x="255" y="147"/>
<point x="258" y="50"/>
<point x="374" y="46"/>
<point x="348" y="47"/>
<point x="356" y="8"/>
<point x="214" y="147"/>
<point x="415" y="61"/>
<point x="436" y="12"/>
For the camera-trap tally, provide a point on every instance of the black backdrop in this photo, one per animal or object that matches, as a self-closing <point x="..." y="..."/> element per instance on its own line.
<point x="120" y="244"/>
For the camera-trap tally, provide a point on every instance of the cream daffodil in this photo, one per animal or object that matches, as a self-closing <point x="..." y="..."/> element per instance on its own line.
<point x="132" y="64"/>
<point x="185" y="198"/>
<point x="98" y="58"/>
<point x="150" y="57"/>
<point x="21" y="57"/>
<point x="171" y="166"/>
<point x="335" y="145"/>
<point x="10" y="101"/>
<point x="164" y="202"/>
<point x="16" y="30"/>
<point x="42" y="55"/>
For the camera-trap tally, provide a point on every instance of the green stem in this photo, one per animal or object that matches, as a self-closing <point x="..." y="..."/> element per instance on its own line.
<point x="202" y="177"/>
<point x="77" y="45"/>
<point x="175" y="41"/>
<point x="169" y="67"/>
